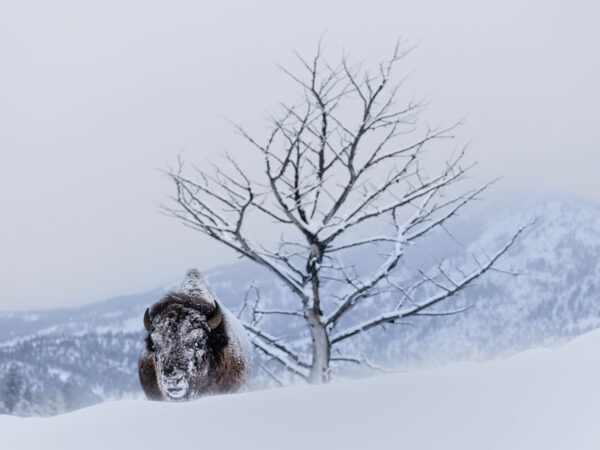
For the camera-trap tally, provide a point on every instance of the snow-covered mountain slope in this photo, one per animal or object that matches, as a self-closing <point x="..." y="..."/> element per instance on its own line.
<point x="554" y="297"/>
<point x="65" y="359"/>
<point x="60" y="360"/>
<point x="540" y="399"/>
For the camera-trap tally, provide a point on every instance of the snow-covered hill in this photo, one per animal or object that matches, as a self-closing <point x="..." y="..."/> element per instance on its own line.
<point x="65" y="359"/>
<point x="554" y="297"/>
<point x="540" y="399"/>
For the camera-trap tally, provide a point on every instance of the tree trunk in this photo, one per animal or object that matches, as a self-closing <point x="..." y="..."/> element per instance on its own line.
<point x="319" y="370"/>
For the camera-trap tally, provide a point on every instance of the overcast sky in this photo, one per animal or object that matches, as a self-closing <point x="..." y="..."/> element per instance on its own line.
<point x="96" y="97"/>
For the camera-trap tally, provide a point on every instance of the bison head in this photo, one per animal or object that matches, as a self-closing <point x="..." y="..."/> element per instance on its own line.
<point x="183" y="333"/>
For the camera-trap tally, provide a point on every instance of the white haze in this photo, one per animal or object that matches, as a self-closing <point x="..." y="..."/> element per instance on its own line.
<point x="96" y="97"/>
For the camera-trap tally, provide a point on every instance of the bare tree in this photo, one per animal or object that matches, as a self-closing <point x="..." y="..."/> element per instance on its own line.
<point x="347" y="168"/>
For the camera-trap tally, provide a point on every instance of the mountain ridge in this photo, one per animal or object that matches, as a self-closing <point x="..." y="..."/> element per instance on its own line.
<point x="71" y="357"/>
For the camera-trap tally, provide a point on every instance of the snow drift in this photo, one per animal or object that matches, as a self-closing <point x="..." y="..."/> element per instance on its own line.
<point x="540" y="399"/>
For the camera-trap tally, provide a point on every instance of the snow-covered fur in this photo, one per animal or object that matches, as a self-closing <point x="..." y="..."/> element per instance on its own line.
<point x="194" y="346"/>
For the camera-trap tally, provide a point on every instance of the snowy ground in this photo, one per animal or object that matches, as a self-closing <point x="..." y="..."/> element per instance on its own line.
<point x="541" y="399"/>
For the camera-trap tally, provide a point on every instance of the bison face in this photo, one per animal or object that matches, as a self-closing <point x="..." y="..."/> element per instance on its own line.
<point x="178" y="337"/>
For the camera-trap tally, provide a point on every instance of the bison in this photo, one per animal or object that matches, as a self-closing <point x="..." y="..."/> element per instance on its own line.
<point x="194" y="346"/>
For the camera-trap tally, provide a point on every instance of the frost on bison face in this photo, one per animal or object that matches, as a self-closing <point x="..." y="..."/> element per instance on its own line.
<point x="179" y="336"/>
<point x="194" y="346"/>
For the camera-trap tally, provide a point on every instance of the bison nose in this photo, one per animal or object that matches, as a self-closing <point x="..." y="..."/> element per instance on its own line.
<point x="175" y="384"/>
<point x="175" y="392"/>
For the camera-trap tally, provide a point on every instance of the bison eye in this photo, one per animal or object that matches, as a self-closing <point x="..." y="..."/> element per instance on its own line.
<point x="150" y="345"/>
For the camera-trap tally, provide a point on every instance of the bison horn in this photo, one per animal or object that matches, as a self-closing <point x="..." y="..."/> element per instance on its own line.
<point x="147" y="322"/>
<point x="216" y="318"/>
